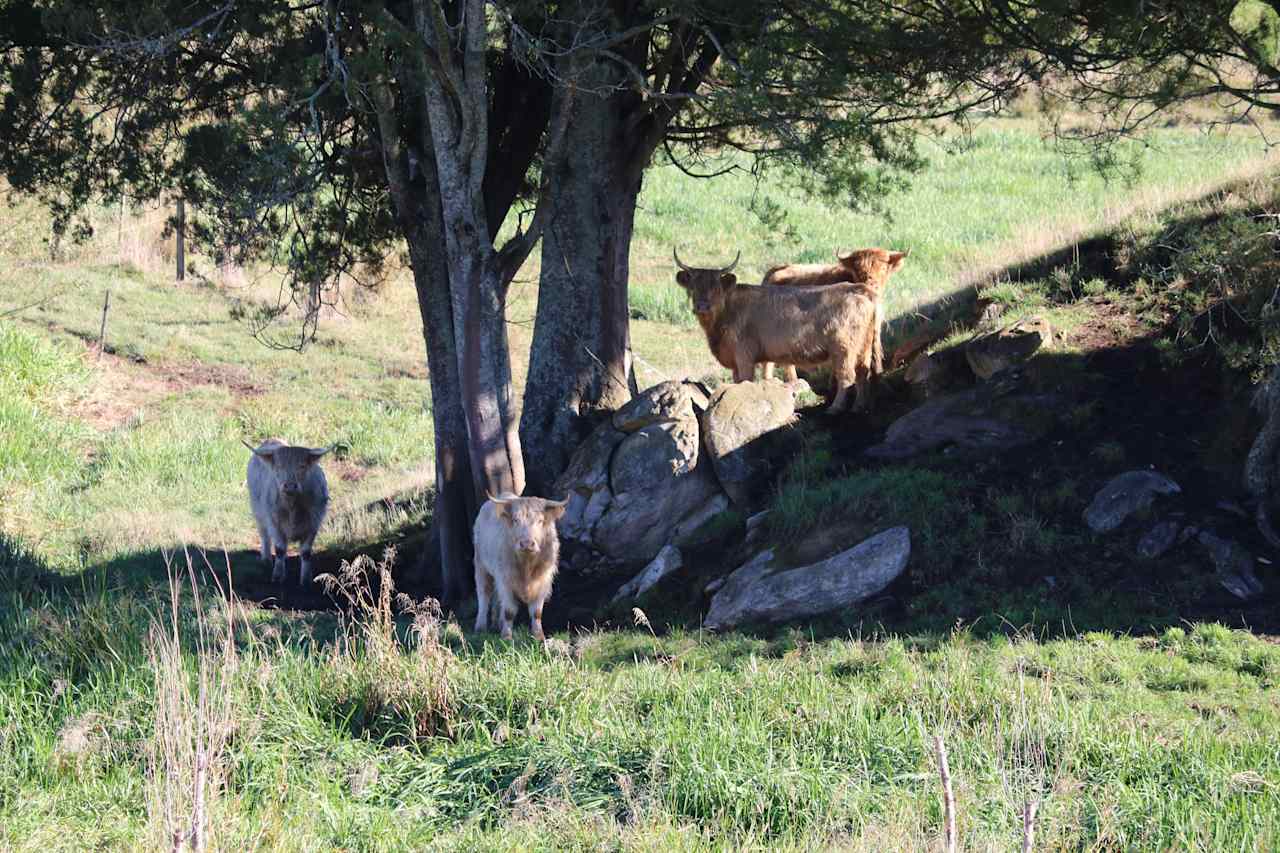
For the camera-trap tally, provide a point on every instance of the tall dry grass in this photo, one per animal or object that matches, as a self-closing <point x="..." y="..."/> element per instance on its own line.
<point x="392" y="684"/>
<point x="195" y="717"/>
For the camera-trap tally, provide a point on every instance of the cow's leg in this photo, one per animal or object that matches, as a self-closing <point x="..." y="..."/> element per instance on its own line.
<point x="304" y="549"/>
<point x="282" y="551"/>
<point x="862" y="385"/>
<point x="535" y="617"/>
<point x="766" y="370"/>
<point x="789" y="374"/>
<point x="265" y="552"/>
<point x="484" y="591"/>
<point x="843" y="373"/>
<point x="877" y="349"/>
<point x="744" y="366"/>
<point x="506" y="610"/>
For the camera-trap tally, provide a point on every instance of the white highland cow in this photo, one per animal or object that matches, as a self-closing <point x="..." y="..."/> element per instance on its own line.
<point x="289" y="496"/>
<point x="517" y="548"/>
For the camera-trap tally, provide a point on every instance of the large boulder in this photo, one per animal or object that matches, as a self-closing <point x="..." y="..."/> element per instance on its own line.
<point x="673" y="399"/>
<point x="641" y="479"/>
<point x="737" y="431"/>
<point x="1124" y="495"/>
<point x="988" y="418"/>
<point x="1008" y="347"/>
<point x="640" y="521"/>
<point x="1233" y="565"/>
<point x="759" y="592"/>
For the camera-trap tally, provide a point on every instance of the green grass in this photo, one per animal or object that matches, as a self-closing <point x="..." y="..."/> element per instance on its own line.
<point x="634" y="742"/>
<point x="1001" y="194"/>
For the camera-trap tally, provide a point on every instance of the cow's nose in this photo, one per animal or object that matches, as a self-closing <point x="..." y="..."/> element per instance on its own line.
<point x="291" y="488"/>
<point x="525" y="545"/>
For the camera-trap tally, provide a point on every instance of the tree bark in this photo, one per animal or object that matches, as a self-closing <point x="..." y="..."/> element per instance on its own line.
<point x="580" y="362"/>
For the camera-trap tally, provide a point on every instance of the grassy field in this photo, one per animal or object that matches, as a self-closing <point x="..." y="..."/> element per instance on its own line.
<point x="384" y="733"/>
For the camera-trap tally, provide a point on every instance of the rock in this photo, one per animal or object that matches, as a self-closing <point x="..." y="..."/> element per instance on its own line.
<point x="799" y="387"/>
<point x="991" y="353"/>
<point x="632" y="489"/>
<point x="668" y="560"/>
<point x="986" y="311"/>
<point x="735" y="431"/>
<point x="1123" y="495"/>
<point x="989" y="418"/>
<point x="653" y="454"/>
<point x="1233" y="564"/>
<point x="1159" y="539"/>
<point x="671" y="400"/>
<point x="930" y="374"/>
<point x="586" y="483"/>
<point x="911" y="348"/>
<point x="691" y="532"/>
<point x="583" y="512"/>
<point x="589" y="466"/>
<point x="711" y="588"/>
<point x="640" y="521"/>
<point x="757" y="592"/>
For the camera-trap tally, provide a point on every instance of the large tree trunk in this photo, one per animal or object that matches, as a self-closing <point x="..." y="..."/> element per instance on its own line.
<point x="580" y="363"/>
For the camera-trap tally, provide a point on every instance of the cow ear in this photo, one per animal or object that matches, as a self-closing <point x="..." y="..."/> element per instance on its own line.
<point x="845" y="257"/>
<point x="682" y="278"/>
<point x="896" y="259"/>
<point x="554" y="510"/>
<point x="728" y="279"/>
<point x="316" y="452"/>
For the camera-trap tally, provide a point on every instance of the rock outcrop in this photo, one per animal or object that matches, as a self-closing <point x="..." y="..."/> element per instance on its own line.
<point x="758" y="591"/>
<point x="738" y="430"/>
<point x="1124" y="495"/>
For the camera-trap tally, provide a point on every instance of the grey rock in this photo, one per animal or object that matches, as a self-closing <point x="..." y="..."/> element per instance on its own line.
<point x="989" y="418"/>
<point x="755" y="526"/>
<point x="1158" y="539"/>
<point x="1233" y="564"/>
<point x="668" y="560"/>
<point x="713" y="586"/>
<point x="583" y="512"/>
<point x="588" y="468"/>
<point x="931" y="374"/>
<point x="1123" y="495"/>
<point x="640" y="521"/>
<point x="653" y="455"/>
<point x="689" y="533"/>
<point x="758" y="592"/>
<point x="998" y="351"/>
<point x="734" y="430"/>
<point x="630" y="488"/>
<point x="670" y="400"/>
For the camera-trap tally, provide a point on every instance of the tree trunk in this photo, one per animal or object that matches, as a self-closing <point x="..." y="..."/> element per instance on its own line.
<point x="580" y="362"/>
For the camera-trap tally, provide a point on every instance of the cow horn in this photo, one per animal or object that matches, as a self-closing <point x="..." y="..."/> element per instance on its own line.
<point x="498" y="500"/>
<point x="252" y="449"/>
<point x="557" y="504"/>
<point x="679" y="262"/>
<point x="736" y="258"/>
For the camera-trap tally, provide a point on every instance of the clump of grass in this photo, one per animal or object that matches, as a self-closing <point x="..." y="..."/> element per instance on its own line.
<point x="193" y="722"/>
<point x="930" y="503"/>
<point x="382" y="683"/>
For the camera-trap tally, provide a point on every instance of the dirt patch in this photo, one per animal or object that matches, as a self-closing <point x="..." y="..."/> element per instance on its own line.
<point x="123" y="386"/>
<point x="1109" y="325"/>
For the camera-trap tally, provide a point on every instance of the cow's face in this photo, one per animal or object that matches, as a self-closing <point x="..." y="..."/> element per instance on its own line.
<point x="291" y="465"/>
<point x="872" y="265"/>
<point x="531" y="522"/>
<point x="707" y="288"/>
